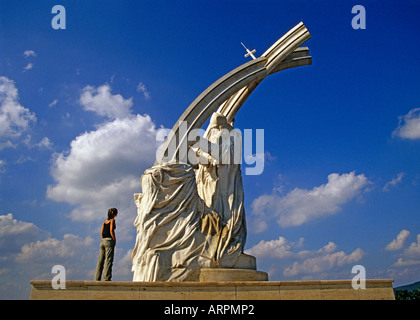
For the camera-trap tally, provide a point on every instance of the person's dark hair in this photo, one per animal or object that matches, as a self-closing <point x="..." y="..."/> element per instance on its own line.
<point x="112" y="213"/>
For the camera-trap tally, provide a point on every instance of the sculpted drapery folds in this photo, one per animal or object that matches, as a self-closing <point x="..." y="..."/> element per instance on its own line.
<point x="219" y="184"/>
<point x="190" y="220"/>
<point x="169" y="241"/>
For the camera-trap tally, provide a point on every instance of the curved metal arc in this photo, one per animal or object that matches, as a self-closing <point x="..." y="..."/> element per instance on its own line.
<point x="299" y="57"/>
<point x="207" y="102"/>
<point x="230" y="92"/>
<point x="294" y="38"/>
<point x="211" y="107"/>
<point x="283" y="54"/>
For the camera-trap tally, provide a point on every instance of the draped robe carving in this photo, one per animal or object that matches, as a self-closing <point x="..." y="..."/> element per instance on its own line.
<point x="186" y="223"/>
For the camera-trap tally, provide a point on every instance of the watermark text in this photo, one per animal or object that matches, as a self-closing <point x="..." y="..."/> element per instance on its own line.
<point x="59" y="280"/>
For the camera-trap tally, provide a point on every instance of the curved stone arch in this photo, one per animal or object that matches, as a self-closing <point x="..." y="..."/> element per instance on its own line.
<point x="205" y="104"/>
<point x="230" y="92"/>
<point x="299" y="57"/>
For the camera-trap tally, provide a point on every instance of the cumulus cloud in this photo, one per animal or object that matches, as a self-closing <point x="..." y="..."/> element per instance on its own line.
<point x="409" y="125"/>
<point x="325" y="260"/>
<point x="53" y="250"/>
<point x="398" y="242"/>
<point x="103" y="167"/>
<point x="300" y="206"/>
<point x="28" y="252"/>
<point x="45" y="143"/>
<point x="413" y="251"/>
<point x="301" y="263"/>
<point x="14" y="118"/>
<point x="280" y="248"/>
<point x="101" y="101"/>
<point x="14" y="234"/>
<point x="411" y="255"/>
<point x="406" y="268"/>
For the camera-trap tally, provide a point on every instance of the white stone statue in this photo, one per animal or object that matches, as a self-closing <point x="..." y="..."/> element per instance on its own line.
<point x="219" y="184"/>
<point x="189" y="220"/>
<point x="169" y="241"/>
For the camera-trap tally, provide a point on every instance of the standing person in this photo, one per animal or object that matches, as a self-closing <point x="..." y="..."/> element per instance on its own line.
<point x="106" y="248"/>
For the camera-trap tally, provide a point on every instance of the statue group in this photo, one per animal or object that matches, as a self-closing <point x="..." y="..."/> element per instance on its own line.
<point x="191" y="218"/>
<point x="190" y="215"/>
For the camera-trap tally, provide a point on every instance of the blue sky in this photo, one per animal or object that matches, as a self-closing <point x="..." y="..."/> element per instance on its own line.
<point x="81" y="108"/>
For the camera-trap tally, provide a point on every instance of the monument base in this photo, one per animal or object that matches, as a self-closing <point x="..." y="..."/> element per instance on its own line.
<point x="228" y="275"/>
<point x="380" y="289"/>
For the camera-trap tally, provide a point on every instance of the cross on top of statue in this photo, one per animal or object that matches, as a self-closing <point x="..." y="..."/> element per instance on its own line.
<point x="250" y="53"/>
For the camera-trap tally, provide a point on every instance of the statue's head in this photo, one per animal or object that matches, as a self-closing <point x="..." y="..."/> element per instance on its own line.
<point x="218" y="120"/>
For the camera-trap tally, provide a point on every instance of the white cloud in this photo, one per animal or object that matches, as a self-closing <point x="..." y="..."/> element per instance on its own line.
<point x="29" y="53"/>
<point x="413" y="251"/>
<point x="14" y="118"/>
<point x="301" y="263"/>
<point x="103" y="167"/>
<point x="325" y="260"/>
<point x="29" y="66"/>
<point x="393" y="182"/>
<point x="406" y="268"/>
<point x="279" y="248"/>
<point x="142" y="89"/>
<point x="300" y="206"/>
<point x="53" y="103"/>
<point x="409" y="125"/>
<point x="14" y="277"/>
<point x="398" y="242"/>
<point x="10" y="226"/>
<point x="45" y="143"/>
<point x="27" y="252"/>
<point x="411" y="255"/>
<point x="101" y="101"/>
<point x="53" y="250"/>
<point x="406" y="263"/>
<point x="14" y="233"/>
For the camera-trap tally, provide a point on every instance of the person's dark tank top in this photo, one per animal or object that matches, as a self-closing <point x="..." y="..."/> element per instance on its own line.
<point x="106" y="232"/>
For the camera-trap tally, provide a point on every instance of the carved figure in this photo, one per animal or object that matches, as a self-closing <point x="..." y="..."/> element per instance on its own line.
<point x="188" y="220"/>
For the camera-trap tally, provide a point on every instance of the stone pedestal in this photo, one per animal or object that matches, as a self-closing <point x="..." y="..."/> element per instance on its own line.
<point x="380" y="289"/>
<point x="229" y="275"/>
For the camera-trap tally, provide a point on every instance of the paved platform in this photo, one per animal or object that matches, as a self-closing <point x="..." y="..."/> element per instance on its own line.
<point x="376" y="289"/>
